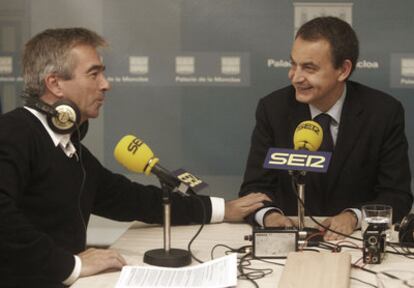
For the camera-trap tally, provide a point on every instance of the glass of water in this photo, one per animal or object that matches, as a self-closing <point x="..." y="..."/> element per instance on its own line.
<point x="378" y="215"/>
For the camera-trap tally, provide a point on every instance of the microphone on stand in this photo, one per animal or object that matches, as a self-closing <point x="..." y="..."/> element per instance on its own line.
<point x="308" y="136"/>
<point x="137" y="157"/>
<point x="304" y="157"/>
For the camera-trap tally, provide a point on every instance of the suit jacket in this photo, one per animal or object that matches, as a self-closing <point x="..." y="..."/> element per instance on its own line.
<point x="369" y="165"/>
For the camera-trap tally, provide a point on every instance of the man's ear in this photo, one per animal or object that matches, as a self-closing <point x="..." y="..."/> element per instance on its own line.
<point x="52" y="84"/>
<point x="345" y="70"/>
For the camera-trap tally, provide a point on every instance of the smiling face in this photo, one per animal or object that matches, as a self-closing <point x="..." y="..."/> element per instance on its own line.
<point x="313" y="75"/>
<point x="88" y="84"/>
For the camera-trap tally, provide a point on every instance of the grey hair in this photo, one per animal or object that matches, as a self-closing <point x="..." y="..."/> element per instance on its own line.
<point x="49" y="52"/>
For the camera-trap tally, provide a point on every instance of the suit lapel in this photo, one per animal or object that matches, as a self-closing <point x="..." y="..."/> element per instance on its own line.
<point x="349" y="131"/>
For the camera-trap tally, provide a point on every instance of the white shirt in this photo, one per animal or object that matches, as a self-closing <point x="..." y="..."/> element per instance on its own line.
<point x="62" y="140"/>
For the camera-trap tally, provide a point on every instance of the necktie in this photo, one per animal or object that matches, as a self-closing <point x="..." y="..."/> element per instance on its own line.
<point x="320" y="180"/>
<point x="325" y="121"/>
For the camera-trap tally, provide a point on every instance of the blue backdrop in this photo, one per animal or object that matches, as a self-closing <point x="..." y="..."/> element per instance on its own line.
<point x="187" y="74"/>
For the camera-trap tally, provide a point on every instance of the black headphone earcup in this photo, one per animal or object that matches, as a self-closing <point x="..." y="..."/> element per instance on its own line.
<point x="406" y="230"/>
<point x="62" y="117"/>
<point x="67" y="118"/>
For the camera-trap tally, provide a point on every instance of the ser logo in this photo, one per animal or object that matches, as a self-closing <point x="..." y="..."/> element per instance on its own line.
<point x="299" y="160"/>
<point x="288" y="159"/>
<point x="134" y="145"/>
<point x="308" y="126"/>
<point x="189" y="179"/>
<point x="195" y="183"/>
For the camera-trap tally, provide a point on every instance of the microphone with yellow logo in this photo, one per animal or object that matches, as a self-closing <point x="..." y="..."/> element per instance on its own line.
<point x="308" y="135"/>
<point x="305" y="156"/>
<point x="137" y="157"/>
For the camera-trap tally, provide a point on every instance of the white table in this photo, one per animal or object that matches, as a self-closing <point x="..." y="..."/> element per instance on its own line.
<point x="141" y="237"/>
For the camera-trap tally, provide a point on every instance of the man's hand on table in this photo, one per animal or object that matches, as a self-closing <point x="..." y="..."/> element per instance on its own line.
<point x="236" y="210"/>
<point x="275" y="219"/>
<point x="98" y="260"/>
<point x="344" y="223"/>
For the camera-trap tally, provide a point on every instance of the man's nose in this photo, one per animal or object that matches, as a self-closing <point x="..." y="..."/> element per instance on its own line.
<point x="296" y="76"/>
<point x="105" y="85"/>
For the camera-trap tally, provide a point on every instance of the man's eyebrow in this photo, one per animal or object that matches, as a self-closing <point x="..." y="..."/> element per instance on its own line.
<point x="96" y="68"/>
<point x="309" y="63"/>
<point x="306" y="64"/>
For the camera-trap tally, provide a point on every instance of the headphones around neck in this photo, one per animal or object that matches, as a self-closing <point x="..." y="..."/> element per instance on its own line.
<point x="63" y="117"/>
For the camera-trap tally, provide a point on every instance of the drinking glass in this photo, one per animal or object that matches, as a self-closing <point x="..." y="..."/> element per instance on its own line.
<point x="379" y="215"/>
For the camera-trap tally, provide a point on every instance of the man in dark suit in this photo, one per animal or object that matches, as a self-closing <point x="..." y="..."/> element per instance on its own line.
<point x="366" y="130"/>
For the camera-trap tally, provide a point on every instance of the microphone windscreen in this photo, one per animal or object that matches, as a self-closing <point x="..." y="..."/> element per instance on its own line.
<point x="308" y="135"/>
<point x="135" y="155"/>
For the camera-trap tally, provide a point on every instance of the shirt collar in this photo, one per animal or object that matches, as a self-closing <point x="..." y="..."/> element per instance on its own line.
<point x="58" y="139"/>
<point x="334" y="112"/>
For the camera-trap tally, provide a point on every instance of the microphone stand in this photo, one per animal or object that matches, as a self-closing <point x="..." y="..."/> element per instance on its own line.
<point x="167" y="257"/>
<point x="300" y="186"/>
<point x="311" y="236"/>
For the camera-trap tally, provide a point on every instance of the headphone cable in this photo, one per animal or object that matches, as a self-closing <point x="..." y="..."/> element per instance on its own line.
<point x="83" y="181"/>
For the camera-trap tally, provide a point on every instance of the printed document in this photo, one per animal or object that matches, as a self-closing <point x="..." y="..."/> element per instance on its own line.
<point x="219" y="273"/>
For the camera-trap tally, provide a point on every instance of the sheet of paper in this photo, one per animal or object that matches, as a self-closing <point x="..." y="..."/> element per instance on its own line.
<point x="220" y="272"/>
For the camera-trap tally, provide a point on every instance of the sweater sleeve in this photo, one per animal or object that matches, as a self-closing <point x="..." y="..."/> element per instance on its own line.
<point x="120" y="199"/>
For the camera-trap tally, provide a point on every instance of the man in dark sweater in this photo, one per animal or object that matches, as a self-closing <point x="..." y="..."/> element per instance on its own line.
<point x="50" y="183"/>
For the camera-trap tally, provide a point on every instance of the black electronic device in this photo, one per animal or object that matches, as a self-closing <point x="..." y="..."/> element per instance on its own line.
<point x="271" y="242"/>
<point x="406" y="231"/>
<point x="374" y="244"/>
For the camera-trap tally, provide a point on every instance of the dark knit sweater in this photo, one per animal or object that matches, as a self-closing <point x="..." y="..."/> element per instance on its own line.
<point x="43" y="213"/>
